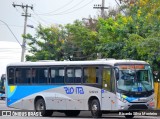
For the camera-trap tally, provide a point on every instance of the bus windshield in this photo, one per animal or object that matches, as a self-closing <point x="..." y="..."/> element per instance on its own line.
<point x="134" y="78"/>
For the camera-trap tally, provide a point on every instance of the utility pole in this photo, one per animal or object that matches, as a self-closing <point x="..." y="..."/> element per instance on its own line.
<point x="26" y="15"/>
<point x="102" y="7"/>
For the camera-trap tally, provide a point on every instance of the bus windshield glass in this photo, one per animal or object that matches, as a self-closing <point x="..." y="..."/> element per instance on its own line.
<point x="134" y="78"/>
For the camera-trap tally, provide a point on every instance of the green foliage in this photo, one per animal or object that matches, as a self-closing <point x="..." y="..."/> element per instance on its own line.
<point x="80" y="42"/>
<point x="135" y="35"/>
<point x="46" y="45"/>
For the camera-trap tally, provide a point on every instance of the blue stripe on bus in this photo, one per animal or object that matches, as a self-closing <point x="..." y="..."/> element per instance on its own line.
<point x="24" y="91"/>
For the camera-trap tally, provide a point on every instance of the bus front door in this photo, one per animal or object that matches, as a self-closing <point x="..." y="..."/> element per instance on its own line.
<point x="106" y="94"/>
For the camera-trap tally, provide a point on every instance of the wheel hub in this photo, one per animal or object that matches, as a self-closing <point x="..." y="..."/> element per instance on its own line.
<point x="94" y="107"/>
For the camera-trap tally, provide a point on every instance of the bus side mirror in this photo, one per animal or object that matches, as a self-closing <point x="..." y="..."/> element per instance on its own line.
<point x="116" y="70"/>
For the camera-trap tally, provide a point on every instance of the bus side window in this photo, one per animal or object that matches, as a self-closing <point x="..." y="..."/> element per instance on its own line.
<point x="28" y="75"/>
<point x="18" y="76"/>
<point x="11" y="76"/>
<point x="61" y="76"/>
<point x="69" y="75"/>
<point x="23" y="76"/>
<point x="78" y="75"/>
<point x="91" y="75"/>
<point x="57" y="75"/>
<point x="39" y="75"/>
<point x="53" y="75"/>
<point x="33" y="75"/>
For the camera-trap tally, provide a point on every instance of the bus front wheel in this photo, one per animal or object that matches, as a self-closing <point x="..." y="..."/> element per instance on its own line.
<point x="41" y="107"/>
<point x="95" y="109"/>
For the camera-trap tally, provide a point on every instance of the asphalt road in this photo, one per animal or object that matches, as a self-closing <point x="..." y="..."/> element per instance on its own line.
<point x="56" y="115"/>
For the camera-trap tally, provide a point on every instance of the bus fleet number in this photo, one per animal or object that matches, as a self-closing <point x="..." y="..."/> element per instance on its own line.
<point x="76" y="90"/>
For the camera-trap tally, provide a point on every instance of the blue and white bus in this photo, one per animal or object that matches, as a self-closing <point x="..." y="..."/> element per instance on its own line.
<point x="72" y="86"/>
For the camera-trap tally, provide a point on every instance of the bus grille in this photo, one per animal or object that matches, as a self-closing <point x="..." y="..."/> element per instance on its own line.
<point x="138" y="107"/>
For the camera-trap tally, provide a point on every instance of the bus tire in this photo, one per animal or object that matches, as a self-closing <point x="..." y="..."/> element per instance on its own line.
<point x="40" y="106"/>
<point x="72" y="113"/>
<point x="95" y="109"/>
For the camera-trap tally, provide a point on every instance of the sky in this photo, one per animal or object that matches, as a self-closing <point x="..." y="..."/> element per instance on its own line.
<point x="46" y="13"/>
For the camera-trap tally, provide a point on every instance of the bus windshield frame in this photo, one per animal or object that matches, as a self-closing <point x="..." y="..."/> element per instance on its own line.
<point x="133" y="79"/>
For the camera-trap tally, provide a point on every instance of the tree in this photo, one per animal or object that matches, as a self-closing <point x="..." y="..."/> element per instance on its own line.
<point x="80" y="41"/>
<point x="72" y="42"/>
<point x="46" y="44"/>
<point x="128" y="36"/>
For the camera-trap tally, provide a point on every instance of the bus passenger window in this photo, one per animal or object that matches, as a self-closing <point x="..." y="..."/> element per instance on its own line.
<point x="91" y="75"/>
<point x="61" y="76"/>
<point x="57" y="75"/>
<point x="53" y="74"/>
<point x="70" y="75"/>
<point x="78" y="75"/>
<point x="40" y="75"/>
<point x="18" y="76"/>
<point x="34" y="76"/>
<point x="28" y="75"/>
<point x="11" y="76"/>
<point x="23" y="76"/>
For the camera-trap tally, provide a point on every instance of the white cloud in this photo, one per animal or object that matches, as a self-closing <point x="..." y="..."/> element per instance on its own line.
<point x="9" y="52"/>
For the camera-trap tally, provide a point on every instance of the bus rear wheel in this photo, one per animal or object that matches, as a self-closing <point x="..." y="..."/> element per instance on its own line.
<point x="95" y="109"/>
<point x="41" y="107"/>
<point x="72" y="113"/>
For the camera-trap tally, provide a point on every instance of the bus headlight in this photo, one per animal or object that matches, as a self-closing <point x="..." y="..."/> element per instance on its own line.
<point x="151" y="102"/>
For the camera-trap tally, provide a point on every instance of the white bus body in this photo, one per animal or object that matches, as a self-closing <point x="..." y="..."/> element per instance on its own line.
<point x="72" y="86"/>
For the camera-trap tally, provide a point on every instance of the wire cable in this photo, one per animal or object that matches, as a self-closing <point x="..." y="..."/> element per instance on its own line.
<point x="57" y="8"/>
<point x="35" y="14"/>
<point x="77" y="8"/>
<point x="64" y="12"/>
<point x="35" y="22"/>
<point x="11" y="25"/>
<point x="71" y="7"/>
<point x="120" y="7"/>
<point x="11" y="32"/>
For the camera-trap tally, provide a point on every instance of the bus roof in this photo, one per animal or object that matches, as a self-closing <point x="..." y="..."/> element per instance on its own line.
<point x="110" y="62"/>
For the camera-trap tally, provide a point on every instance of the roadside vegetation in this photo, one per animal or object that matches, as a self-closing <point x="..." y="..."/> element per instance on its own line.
<point x="130" y="32"/>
